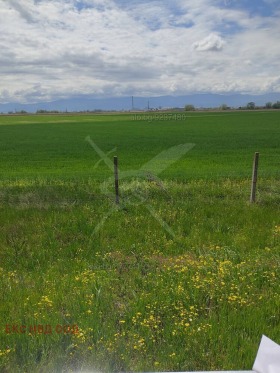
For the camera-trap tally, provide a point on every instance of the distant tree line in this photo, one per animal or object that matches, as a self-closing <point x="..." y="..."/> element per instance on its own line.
<point x="188" y="107"/>
<point x="270" y="105"/>
<point x="41" y="111"/>
<point x="249" y="106"/>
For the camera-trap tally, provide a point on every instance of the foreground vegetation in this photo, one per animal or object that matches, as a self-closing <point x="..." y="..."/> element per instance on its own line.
<point x="182" y="275"/>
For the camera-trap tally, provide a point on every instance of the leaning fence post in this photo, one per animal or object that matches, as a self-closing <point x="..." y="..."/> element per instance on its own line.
<point x="116" y="179"/>
<point x="254" y="178"/>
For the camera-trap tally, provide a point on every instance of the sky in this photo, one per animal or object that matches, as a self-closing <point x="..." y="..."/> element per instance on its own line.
<point x="56" y="49"/>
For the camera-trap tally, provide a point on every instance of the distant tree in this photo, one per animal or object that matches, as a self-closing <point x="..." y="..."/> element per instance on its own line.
<point x="224" y="107"/>
<point x="268" y="105"/>
<point x="276" y="105"/>
<point x="189" y="108"/>
<point x="251" y="106"/>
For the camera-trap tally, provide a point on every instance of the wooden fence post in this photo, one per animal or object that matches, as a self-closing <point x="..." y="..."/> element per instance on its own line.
<point x="116" y="179"/>
<point x="254" y="178"/>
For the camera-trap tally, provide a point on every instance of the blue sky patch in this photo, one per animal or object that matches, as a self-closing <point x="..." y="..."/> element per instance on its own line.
<point x="254" y="8"/>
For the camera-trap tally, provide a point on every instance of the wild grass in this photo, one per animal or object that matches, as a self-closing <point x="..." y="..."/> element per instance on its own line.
<point x="184" y="278"/>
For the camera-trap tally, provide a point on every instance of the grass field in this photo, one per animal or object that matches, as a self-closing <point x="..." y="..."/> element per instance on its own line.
<point x="182" y="275"/>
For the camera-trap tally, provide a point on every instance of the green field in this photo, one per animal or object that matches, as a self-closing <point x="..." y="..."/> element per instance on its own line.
<point x="182" y="275"/>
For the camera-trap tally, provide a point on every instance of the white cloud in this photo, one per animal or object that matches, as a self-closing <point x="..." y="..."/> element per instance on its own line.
<point x="58" y="48"/>
<point x="212" y="42"/>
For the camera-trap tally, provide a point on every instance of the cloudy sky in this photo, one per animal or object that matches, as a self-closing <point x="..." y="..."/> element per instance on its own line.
<point x="52" y="49"/>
